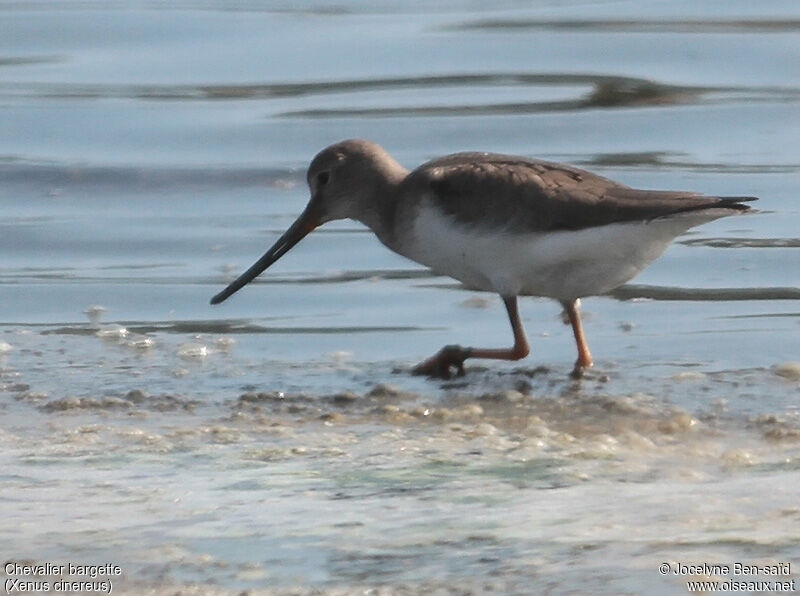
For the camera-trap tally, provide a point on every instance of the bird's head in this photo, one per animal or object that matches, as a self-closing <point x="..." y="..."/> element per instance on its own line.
<point x="344" y="180"/>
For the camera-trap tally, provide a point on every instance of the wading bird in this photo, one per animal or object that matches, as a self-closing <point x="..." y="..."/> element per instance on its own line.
<point x="499" y="223"/>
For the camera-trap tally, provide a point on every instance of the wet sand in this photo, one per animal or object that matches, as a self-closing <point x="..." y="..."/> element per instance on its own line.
<point x="501" y="480"/>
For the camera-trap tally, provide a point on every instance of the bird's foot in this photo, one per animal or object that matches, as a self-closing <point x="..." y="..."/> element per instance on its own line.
<point x="579" y="370"/>
<point x="440" y="364"/>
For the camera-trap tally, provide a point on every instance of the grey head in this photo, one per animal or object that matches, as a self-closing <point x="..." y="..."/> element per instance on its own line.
<point x="348" y="180"/>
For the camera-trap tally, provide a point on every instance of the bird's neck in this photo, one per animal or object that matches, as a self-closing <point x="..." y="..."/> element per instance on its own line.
<point x="379" y="212"/>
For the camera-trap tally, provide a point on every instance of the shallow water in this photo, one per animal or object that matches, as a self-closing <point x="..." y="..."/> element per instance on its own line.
<point x="149" y="151"/>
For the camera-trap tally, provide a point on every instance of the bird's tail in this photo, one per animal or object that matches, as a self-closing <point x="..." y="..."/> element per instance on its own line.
<point x="736" y="203"/>
<point x="713" y="207"/>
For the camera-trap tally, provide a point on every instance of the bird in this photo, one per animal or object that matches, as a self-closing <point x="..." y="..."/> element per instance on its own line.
<point x="506" y="224"/>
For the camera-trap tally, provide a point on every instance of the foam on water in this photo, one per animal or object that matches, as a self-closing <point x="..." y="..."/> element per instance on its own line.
<point x="510" y="484"/>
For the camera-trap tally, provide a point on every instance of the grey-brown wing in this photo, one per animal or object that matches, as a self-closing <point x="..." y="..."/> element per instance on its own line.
<point x="517" y="193"/>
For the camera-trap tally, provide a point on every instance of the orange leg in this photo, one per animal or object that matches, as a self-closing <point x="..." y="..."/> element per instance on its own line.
<point x="453" y="356"/>
<point x="584" y="356"/>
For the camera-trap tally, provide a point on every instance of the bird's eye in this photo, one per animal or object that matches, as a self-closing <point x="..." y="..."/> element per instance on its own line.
<point x="323" y="177"/>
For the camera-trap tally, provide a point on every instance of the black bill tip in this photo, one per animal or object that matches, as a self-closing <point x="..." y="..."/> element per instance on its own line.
<point x="304" y="224"/>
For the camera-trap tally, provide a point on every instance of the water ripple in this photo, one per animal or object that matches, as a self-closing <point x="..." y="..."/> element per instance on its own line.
<point x="743" y="242"/>
<point x="227" y="326"/>
<point x="606" y="91"/>
<point x="634" y="291"/>
<point x="635" y="25"/>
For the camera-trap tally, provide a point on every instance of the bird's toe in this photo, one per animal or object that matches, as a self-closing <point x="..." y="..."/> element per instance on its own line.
<point x="440" y="365"/>
<point x="580" y="368"/>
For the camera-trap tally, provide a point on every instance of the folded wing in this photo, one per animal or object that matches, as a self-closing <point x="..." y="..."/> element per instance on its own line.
<point x="498" y="191"/>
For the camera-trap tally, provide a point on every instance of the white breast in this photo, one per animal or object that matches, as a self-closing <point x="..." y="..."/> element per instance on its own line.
<point x="564" y="265"/>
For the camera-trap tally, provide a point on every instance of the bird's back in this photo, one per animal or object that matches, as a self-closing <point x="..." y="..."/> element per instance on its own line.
<point x="520" y="194"/>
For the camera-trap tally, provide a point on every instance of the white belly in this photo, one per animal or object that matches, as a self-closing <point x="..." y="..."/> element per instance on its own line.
<point x="564" y="265"/>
